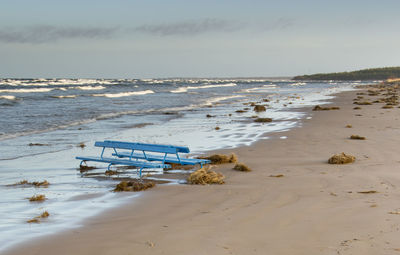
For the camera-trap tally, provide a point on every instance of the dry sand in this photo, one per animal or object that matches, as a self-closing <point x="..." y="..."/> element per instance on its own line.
<point x="315" y="208"/>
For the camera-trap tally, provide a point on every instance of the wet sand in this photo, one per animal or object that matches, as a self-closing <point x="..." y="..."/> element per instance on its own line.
<point x="315" y="208"/>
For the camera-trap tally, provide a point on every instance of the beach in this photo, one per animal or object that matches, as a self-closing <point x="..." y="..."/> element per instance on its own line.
<point x="313" y="208"/>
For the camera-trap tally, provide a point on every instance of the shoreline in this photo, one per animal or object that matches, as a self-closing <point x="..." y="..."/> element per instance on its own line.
<point x="255" y="213"/>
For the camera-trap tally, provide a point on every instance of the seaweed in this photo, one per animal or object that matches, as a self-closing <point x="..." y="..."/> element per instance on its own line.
<point x="349" y="126"/>
<point x="205" y="176"/>
<point x="221" y="158"/>
<point x="341" y="159"/>
<point x="357" y="137"/>
<point x="134" y="186"/>
<point x="240" y="111"/>
<point x="83" y="168"/>
<point x="277" y="175"/>
<point x="37" y="198"/>
<point x="45" y="214"/>
<point x="259" y="108"/>
<point x="320" y="108"/>
<point x="242" y="167"/>
<point x="262" y="120"/>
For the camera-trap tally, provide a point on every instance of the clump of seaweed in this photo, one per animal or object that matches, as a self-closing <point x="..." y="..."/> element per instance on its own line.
<point x="37" y="198"/>
<point x="210" y="116"/>
<point x="260" y="108"/>
<point x="357" y="137"/>
<point x="357" y="108"/>
<point x="240" y="111"/>
<point x="262" y="120"/>
<point x="277" y="175"/>
<point x="217" y="128"/>
<point x="82" y="145"/>
<point x="37" y="144"/>
<point x="205" y="176"/>
<point x="221" y="158"/>
<point x="23" y="182"/>
<point x="45" y="214"/>
<point x="110" y="172"/>
<point x="387" y="107"/>
<point x="44" y="183"/>
<point x="349" y="126"/>
<point x="133" y="186"/>
<point x="84" y="168"/>
<point x="242" y="167"/>
<point x="363" y="103"/>
<point x="175" y="166"/>
<point x="320" y="108"/>
<point x="367" y="192"/>
<point x="341" y="158"/>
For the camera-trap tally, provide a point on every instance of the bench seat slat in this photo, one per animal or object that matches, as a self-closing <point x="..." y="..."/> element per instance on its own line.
<point x="151" y="157"/>
<point x="139" y="146"/>
<point x="118" y="161"/>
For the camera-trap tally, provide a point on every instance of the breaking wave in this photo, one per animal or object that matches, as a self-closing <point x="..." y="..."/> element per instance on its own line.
<point x="185" y="89"/>
<point x="124" y="94"/>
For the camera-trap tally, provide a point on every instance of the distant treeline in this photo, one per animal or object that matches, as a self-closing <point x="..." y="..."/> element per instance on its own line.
<point x="365" y="74"/>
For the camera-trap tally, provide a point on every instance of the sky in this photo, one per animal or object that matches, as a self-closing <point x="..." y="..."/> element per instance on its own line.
<point x="176" y="38"/>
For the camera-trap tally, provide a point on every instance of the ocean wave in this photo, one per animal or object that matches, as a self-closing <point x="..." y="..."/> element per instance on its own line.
<point x="185" y="89"/>
<point x="8" y="97"/>
<point x="298" y="84"/>
<point x="54" y="82"/>
<point x="125" y="94"/>
<point x="88" y="87"/>
<point x="35" y="90"/>
<point x="260" y="89"/>
<point x="67" y="96"/>
<point x="219" y="99"/>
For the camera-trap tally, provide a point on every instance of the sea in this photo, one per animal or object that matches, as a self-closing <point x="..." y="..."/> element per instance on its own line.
<point x="46" y="123"/>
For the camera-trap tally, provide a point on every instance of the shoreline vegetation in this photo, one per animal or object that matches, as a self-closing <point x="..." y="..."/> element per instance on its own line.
<point x="383" y="73"/>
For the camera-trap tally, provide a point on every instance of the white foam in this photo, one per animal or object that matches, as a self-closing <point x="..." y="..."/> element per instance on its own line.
<point x="36" y="90"/>
<point x="8" y="97"/>
<point x="88" y="87"/>
<point x="125" y="94"/>
<point x="67" y="96"/>
<point x="185" y="89"/>
<point x="219" y="99"/>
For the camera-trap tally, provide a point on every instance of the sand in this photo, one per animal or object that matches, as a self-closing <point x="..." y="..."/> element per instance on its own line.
<point x="315" y="208"/>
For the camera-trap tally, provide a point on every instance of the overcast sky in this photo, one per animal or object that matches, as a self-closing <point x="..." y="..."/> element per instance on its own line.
<point x="174" y="38"/>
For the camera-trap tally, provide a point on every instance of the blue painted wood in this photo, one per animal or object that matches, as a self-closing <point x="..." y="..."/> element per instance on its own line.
<point x="170" y="159"/>
<point x="142" y="146"/>
<point x="118" y="161"/>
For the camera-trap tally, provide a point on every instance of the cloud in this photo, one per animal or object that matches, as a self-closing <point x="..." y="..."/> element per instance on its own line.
<point x="39" y="34"/>
<point x="46" y="33"/>
<point x="189" y="27"/>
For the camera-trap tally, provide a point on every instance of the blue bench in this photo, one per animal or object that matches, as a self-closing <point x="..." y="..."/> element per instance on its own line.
<point x="159" y="153"/>
<point x="131" y="161"/>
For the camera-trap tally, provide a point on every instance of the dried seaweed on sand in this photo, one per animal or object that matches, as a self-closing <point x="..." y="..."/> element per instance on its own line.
<point x="341" y="158"/>
<point x="205" y="176"/>
<point x="357" y="137"/>
<point x="221" y="158"/>
<point x="320" y="108"/>
<point x="241" y="167"/>
<point x="133" y="186"/>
